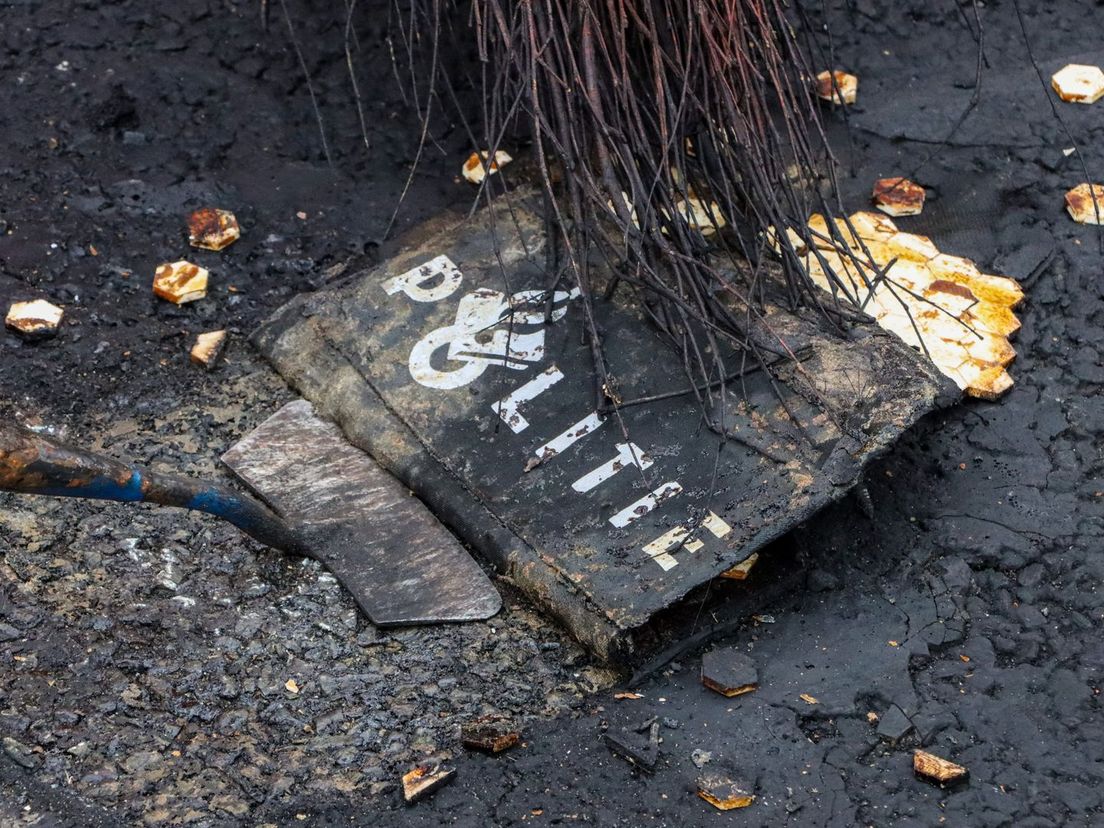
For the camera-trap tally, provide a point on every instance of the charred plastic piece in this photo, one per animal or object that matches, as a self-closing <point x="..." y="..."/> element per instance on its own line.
<point x="208" y="348"/>
<point x="422" y="780"/>
<point x="638" y="751"/>
<point x="34" y="320"/>
<point x="723" y="793"/>
<point x="492" y="733"/>
<point x="729" y="672"/>
<point x="936" y="769"/>
<point x="894" y="725"/>
<point x="1080" y="203"/>
<point x="180" y="282"/>
<point x="635" y="547"/>
<point x="213" y="229"/>
<point x="1077" y="83"/>
<point x="704" y="217"/>
<point x="837" y="87"/>
<point x="898" y="197"/>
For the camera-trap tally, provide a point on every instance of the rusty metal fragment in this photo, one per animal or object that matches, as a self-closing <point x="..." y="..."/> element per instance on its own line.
<point x="1077" y="83"/>
<point x="1085" y="203"/>
<point x="729" y="672"/>
<point x="898" y="197"/>
<point x="212" y="229"/>
<point x="936" y="769"/>
<point x="837" y="87"/>
<point x="208" y="348"/>
<point x="492" y="733"/>
<point x="724" y="793"/>
<point x="34" y="320"/>
<point x="426" y="778"/>
<point x="180" y="282"/>
<point x="400" y="564"/>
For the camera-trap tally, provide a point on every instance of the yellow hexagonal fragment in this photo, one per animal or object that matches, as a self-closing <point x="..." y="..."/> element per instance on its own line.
<point x="1085" y="203"/>
<point x="872" y="225"/>
<point x="706" y="219"/>
<point x="724" y="793"/>
<point x="180" y="282"/>
<point x="822" y="234"/>
<point x="741" y="571"/>
<point x="792" y="236"/>
<point x="912" y="246"/>
<point x="476" y="167"/>
<point x="208" y="348"/>
<point x="212" y="229"/>
<point x="996" y="290"/>
<point x="837" y="87"/>
<point x="1077" y="83"/>
<point x="34" y="320"/>
<point x="898" y="196"/>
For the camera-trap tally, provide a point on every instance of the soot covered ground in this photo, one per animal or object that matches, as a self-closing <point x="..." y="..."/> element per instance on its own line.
<point x="146" y="653"/>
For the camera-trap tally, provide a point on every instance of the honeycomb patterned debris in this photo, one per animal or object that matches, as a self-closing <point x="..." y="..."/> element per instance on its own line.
<point x="938" y="303"/>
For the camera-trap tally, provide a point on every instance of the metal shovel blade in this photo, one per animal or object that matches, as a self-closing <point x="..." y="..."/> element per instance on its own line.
<point x="384" y="546"/>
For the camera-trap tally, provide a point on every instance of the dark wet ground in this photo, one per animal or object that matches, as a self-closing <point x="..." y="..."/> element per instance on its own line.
<point x="145" y="653"/>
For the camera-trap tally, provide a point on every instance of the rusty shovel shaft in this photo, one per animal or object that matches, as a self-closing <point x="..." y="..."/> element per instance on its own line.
<point x="33" y="464"/>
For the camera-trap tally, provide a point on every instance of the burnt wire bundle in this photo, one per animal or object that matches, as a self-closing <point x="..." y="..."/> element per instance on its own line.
<point x="678" y="144"/>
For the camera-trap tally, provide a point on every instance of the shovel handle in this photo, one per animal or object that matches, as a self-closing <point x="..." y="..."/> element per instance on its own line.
<point x="33" y="464"/>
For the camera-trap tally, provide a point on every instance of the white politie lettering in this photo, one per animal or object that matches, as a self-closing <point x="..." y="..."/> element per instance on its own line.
<point x="414" y="282"/>
<point x="628" y="454"/>
<point x="492" y="328"/>
<point x="715" y="525"/>
<point x="658" y="550"/>
<point x="475" y="340"/>
<point x="507" y="407"/>
<point x="638" y="508"/>
<point x="566" y="439"/>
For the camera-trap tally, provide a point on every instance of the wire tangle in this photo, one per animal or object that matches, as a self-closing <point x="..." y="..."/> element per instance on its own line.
<point x="679" y="148"/>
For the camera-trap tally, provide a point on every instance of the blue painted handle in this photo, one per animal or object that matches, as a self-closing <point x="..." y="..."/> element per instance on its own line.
<point x="33" y="464"/>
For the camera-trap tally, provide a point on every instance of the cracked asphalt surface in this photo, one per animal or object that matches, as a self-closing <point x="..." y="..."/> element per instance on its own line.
<point x="145" y="653"/>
